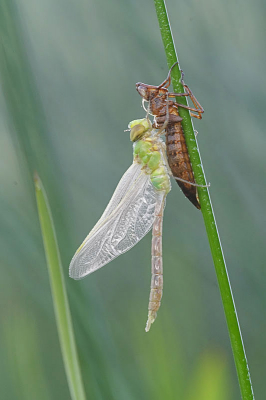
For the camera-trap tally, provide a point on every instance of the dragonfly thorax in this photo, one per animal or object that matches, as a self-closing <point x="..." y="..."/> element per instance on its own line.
<point x="150" y="156"/>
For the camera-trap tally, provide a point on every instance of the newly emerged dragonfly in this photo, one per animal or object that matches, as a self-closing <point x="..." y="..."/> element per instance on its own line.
<point x="136" y="206"/>
<point x="167" y="116"/>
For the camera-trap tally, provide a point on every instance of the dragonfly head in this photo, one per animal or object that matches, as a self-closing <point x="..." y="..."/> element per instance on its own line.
<point x="143" y="90"/>
<point x="138" y="128"/>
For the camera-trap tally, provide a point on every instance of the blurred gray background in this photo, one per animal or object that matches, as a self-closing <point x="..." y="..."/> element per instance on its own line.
<point x="68" y="74"/>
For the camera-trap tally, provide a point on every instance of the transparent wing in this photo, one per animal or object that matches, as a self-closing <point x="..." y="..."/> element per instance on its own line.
<point x="127" y="180"/>
<point x="127" y="219"/>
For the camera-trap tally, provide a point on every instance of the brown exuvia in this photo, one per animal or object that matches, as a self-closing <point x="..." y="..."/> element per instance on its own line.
<point x="167" y="117"/>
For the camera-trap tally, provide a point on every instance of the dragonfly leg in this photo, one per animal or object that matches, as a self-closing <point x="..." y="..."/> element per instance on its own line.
<point x="197" y="106"/>
<point x="166" y="83"/>
<point x="191" y="183"/>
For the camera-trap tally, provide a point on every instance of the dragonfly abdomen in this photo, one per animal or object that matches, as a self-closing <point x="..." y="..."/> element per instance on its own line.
<point x="156" y="291"/>
<point x="148" y="151"/>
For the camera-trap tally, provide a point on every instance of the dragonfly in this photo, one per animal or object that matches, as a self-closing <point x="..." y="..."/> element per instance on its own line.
<point x="166" y="116"/>
<point x="135" y="208"/>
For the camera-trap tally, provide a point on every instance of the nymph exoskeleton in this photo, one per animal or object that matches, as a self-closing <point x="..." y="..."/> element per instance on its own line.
<point x="167" y="116"/>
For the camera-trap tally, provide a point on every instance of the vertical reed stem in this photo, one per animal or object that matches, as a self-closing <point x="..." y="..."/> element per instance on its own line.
<point x="207" y="212"/>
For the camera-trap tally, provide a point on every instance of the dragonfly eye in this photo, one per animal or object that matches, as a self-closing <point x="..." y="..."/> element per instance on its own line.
<point x="137" y="132"/>
<point x="138" y="128"/>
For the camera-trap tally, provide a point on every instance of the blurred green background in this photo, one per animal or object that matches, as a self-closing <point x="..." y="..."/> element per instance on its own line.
<point x="68" y="73"/>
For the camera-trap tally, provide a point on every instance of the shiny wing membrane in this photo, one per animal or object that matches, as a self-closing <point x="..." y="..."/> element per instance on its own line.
<point x="127" y="218"/>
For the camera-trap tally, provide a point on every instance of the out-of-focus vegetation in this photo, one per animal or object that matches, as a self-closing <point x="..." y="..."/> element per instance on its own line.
<point x="59" y="294"/>
<point x="68" y="72"/>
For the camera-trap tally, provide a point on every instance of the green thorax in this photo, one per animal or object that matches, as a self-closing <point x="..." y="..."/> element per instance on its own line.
<point x="148" y="151"/>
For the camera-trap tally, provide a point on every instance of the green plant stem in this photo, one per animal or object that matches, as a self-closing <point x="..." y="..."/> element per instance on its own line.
<point x="207" y="212"/>
<point x="61" y="306"/>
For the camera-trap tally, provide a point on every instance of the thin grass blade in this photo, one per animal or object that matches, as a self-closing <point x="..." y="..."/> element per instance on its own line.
<point x="59" y="294"/>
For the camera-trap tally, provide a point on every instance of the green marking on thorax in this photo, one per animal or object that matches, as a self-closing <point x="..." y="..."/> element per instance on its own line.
<point x="160" y="182"/>
<point x="154" y="160"/>
<point x="145" y="148"/>
<point x="146" y="152"/>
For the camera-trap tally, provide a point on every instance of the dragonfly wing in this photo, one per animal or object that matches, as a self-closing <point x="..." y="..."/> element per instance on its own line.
<point x="127" y="180"/>
<point x="123" y="224"/>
